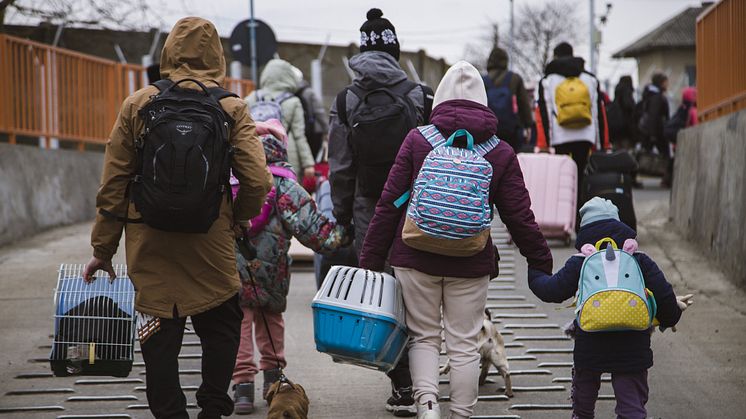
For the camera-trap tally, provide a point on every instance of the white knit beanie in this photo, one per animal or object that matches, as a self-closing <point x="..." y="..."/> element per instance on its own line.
<point x="461" y="81"/>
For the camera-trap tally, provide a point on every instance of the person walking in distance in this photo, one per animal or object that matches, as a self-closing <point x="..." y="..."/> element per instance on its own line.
<point x="445" y="258"/>
<point x="278" y="86"/>
<point x="368" y="122"/>
<point x="655" y="115"/>
<point x="509" y="100"/>
<point x="571" y="109"/>
<point x="181" y="257"/>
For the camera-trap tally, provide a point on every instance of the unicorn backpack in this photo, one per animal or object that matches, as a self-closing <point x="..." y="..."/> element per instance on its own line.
<point x="611" y="292"/>
<point x="449" y="212"/>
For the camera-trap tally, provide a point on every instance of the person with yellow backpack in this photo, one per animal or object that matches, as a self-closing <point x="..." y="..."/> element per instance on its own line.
<point x="571" y="114"/>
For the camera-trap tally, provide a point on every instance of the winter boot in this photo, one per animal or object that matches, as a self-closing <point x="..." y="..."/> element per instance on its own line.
<point x="270" y="377"/>
<point x="243" y="398"/>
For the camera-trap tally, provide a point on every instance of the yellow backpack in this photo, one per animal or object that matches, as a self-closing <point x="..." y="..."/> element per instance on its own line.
<point x="573" y="103"/>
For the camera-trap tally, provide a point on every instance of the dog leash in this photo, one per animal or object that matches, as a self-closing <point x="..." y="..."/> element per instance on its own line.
<point x="282" y="379"/>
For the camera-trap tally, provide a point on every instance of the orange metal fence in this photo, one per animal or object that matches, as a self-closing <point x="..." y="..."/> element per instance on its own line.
<point x="721" y="59"/>
<point x="50" y="92"/>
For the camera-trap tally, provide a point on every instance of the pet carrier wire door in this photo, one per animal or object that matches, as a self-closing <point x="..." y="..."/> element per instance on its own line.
<point x="94" y="324"/>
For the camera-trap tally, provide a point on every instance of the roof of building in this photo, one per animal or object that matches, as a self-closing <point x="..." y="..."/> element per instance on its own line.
<point x="677" y="32"/>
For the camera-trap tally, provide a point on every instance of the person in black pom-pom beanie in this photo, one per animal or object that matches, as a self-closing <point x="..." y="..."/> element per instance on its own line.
<point x="378" y="34"/>
<point x="361" y="158"/>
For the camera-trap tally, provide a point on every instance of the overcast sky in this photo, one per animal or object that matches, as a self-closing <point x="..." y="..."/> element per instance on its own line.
<point x="442" y="27"/>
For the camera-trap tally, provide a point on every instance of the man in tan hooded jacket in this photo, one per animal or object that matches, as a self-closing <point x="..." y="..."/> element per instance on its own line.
<point x="179" y="274"/>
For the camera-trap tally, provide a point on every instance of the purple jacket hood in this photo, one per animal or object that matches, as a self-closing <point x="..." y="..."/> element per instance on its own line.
<point x="453" y="115"/>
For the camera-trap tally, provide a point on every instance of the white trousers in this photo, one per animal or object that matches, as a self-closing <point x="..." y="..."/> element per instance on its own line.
<point x="462" y="301"/>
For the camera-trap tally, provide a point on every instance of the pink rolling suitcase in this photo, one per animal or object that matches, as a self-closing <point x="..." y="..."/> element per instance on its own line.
<point x="552" y="182"/>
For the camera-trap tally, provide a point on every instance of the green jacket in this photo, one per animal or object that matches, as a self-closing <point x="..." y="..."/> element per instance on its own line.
<point x="278" y="78"/>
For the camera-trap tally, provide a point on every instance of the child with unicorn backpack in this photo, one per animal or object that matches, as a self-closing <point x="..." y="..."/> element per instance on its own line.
<point x="620" y="295"/>
<point x="289" y="211"/>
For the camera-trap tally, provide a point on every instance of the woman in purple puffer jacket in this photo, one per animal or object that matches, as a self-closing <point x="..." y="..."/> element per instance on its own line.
<point x="457" y="284"/>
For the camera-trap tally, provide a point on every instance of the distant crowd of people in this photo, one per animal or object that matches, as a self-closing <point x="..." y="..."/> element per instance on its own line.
<point x="243" y="178"/>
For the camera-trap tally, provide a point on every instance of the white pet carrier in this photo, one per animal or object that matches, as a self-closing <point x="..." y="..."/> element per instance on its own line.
<point x="358" y="318"/>
<point x="94" y="324"/>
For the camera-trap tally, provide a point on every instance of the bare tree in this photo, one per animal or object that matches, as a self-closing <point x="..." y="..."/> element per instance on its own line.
<point x="538" y="29"/>
<point x="108" y="14"/>
<point x="477" y="53"/>
<point x="4" y="5"/>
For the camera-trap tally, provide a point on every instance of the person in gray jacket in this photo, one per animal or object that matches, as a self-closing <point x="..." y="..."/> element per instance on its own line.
<point x="362" y="148"/>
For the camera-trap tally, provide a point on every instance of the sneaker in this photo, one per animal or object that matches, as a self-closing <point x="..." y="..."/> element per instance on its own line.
<point x="270" y="377"/>
<point x="243" y="398"/>
<point x="428" y="410"/>
<point x="401" y="402"/>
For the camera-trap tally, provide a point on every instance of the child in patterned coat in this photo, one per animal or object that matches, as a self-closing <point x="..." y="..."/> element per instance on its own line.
<point x="289" y="212"/>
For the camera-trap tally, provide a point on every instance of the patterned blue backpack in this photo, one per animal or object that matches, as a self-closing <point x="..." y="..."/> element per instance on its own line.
<point x="450" y="212"/>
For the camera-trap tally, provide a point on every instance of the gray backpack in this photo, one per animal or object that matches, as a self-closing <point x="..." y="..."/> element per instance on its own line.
<point x="266" y="108"/>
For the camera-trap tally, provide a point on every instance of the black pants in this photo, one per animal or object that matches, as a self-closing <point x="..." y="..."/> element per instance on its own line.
<point x="400" y="376"/>
<point x="219" y="330"/>
<point x="579" y="152"/>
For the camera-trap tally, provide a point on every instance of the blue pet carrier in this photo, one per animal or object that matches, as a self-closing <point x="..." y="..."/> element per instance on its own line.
<point x="94" y="324"/>
<point x="358" y="318"/>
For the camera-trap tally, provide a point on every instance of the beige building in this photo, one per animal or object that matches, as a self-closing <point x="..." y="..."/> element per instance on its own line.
<point x="670" y="49"/>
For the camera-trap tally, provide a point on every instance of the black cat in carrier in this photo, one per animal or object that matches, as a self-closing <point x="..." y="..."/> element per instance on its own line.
<point x="94" y="324"/>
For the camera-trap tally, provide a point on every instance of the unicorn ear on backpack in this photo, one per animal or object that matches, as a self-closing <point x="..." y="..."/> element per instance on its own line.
<point x="588" y="249"/>
<point x="630" y="246"/>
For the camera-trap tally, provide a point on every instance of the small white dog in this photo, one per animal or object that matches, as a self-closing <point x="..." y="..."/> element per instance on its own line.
<point x="492" y="352"/>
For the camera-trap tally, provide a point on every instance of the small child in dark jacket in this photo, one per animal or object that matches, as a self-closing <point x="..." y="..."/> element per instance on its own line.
<point x="625" y="354"/>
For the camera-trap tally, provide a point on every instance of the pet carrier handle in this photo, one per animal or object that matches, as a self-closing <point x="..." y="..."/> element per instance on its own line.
<point x="197" y="82"/>
<point x="458" y="133"/>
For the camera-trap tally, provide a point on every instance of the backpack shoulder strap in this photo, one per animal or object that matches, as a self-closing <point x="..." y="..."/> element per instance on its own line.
<point x="283" y="97"/>
<point x="163" y="84"/>
<point x="428" y="97"/>
<point x="342" y="106"/>
<point x="282" y="172"/>
<point x="403" y="88"/>
<point x="219" y="93"/>
<point x="432" y="135"/>
<point x="483" y="148"/>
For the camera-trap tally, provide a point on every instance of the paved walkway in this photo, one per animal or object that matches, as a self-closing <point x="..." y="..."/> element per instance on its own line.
<point x="699" y="371"/>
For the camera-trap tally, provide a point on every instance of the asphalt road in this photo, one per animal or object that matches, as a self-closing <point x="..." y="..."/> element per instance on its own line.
<point x="699" y="371"/>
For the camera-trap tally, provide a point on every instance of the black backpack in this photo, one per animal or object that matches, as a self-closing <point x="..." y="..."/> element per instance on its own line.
<point x="183" y="158"/>
<point x="377" y="127"/>
<point x="309" y="117"/>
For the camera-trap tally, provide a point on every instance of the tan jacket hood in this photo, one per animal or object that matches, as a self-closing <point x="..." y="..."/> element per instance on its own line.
<point x="193" y="50"/>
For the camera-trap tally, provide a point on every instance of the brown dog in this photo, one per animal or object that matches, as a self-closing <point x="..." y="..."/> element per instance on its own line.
<point x="287" y="401"/>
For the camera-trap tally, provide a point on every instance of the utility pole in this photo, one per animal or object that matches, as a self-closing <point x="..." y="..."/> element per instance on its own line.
<point x="592" y="37"/>
<point x="512" y="34"/>
<point x="252" y="34"/>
